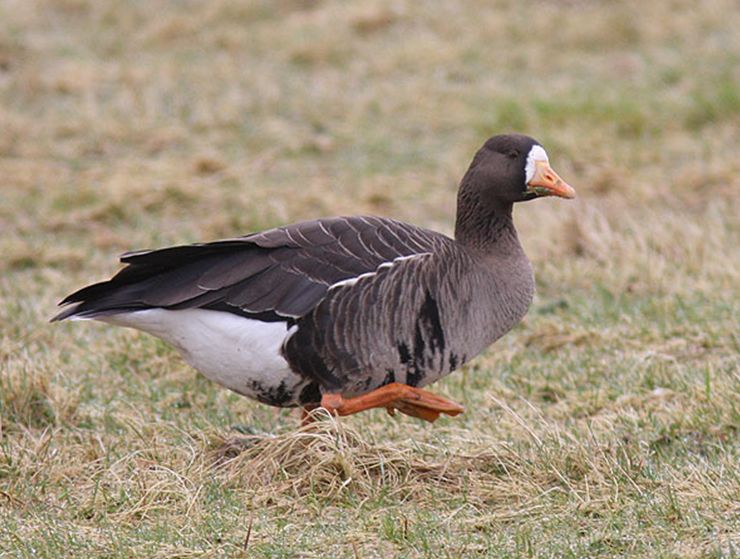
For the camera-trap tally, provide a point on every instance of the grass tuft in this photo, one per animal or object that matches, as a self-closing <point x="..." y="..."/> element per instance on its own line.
<point x="25" y="401"/>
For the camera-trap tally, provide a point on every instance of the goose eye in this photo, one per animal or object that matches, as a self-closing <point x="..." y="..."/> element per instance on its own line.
<point x="514" y="153"/>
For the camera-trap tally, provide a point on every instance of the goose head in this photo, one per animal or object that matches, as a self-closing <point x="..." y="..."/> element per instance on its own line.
<point x="514" y="168"/>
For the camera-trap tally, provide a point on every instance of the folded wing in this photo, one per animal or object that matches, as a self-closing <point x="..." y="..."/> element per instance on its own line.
<point x="277" y="274"/>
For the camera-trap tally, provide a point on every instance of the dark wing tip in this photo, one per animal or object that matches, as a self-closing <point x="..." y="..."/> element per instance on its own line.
<point x="66" y="313"/>
<point x="126" y="257"/>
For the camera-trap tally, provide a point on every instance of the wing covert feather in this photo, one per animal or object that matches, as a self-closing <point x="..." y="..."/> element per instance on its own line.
<point x="286" y="270"/>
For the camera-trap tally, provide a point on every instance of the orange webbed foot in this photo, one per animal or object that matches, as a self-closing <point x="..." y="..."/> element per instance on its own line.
<point x="394" y="396"/>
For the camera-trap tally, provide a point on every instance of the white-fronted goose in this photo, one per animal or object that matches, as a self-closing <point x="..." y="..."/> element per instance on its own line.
<point x="350" y="313"/>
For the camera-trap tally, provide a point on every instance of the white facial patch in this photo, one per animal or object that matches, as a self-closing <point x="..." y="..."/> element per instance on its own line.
<point x="537" y="153"/>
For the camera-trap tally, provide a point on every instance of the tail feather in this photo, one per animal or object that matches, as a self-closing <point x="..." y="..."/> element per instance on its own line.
<point x="153" y="278"/>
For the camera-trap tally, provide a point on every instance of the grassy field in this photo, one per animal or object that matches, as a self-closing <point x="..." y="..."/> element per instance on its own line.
<point x="605" y="425"/>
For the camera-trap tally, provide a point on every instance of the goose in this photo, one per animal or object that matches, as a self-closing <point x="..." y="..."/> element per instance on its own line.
<point x="347" y="313"/>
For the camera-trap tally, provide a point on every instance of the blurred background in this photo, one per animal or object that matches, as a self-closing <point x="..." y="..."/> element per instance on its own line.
<point x="128" y="125"/>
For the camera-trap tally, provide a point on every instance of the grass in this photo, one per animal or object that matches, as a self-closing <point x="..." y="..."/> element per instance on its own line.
<point x="605" y="425"/>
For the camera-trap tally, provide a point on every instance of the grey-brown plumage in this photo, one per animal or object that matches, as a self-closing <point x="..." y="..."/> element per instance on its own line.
<point x="412" y="321"/>
<point x="279" y="273"/>
<point x="365" y="301"/>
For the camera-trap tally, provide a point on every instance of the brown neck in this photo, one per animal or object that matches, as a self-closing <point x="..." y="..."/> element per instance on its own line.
<point x="487" y="225"/>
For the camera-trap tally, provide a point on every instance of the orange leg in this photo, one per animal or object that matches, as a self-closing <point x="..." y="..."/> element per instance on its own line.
<point x="394" y="396"/>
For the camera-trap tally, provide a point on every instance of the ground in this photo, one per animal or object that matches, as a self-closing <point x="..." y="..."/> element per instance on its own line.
<point x="605" y="425"/>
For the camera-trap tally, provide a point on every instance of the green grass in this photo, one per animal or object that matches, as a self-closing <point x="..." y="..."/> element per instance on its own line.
<point x="605" y="425"/>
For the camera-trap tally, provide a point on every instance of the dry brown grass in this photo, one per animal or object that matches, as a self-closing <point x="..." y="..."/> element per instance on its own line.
<point x="605" y="425"/>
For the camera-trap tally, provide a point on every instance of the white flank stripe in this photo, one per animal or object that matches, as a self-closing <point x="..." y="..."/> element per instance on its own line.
<point x="351" y="281"/>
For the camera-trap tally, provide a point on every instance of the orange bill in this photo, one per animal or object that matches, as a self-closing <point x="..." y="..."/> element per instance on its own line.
<point x="546" y="182"/>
